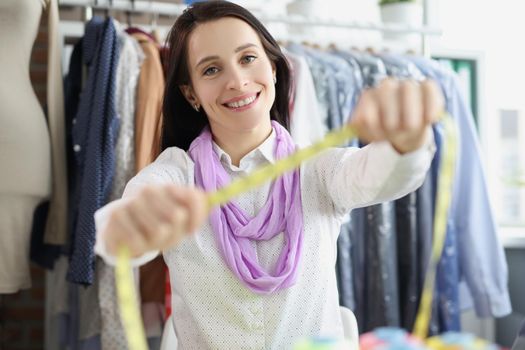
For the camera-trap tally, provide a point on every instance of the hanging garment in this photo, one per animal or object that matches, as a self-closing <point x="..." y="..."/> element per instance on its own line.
<point x="94" y="136"/>
<point x="399" y="67"/>
<point x="344" y="270"/>
<point x="128" y="70"/>
<point x="150" y="92"/>
<point x="472" y="220"/>
<point x="340" y="87"/>
<point x="331" y="89"/>
<point x="519" y="343"/>
<point x="425" y="223"/>
<point x="413" y="222"/>
<point x="407" y="252"/>
<point x="306" y="126"/>
<point x="357" y="239"/>
<point x="130" y="60"/>
<point x="381" y="283"/>
<point x="320" y="78"/>
<point x="356" y="81"/>
<point x="72" y="88"/>
<point x="372" y="68"/>
<point x="41" y="253"/>
<point x="350" y="257"/>
<point x="375" y="229"/>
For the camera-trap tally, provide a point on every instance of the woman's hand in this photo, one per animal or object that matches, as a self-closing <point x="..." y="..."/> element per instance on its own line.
<point x="399" y="112"/>
<point x="156" y="219"/>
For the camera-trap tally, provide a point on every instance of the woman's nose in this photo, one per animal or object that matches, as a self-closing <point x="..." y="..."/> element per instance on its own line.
<point x="237" y="79"/>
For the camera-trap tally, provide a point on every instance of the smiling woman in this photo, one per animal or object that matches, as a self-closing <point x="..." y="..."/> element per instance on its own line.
<point x="223" y="72"/>
<point x="257" y="272"/>
<point x="233" y="82"/>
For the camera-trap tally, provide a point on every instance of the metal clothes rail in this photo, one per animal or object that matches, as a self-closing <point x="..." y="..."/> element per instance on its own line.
<point x="156" y="8"/>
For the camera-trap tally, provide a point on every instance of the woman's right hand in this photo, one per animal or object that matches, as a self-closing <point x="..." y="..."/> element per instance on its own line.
<point x="158" y="217"/>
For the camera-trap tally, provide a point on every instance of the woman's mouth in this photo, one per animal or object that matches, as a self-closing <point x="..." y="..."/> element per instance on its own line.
<point x="243" y="104"/>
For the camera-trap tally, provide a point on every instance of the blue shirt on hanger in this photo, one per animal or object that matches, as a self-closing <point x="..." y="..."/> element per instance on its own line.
<point x="482" y="264"/>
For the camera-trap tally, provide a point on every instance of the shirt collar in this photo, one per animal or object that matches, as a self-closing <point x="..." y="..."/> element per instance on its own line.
<point x="264" y="152"/>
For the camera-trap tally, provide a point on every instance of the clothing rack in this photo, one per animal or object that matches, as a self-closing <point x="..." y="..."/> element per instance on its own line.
<point x="156" y="9"/>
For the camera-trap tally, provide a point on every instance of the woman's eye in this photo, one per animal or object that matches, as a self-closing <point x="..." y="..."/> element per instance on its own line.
<point x="248" y="59"/>
<point x="211" y="71"/>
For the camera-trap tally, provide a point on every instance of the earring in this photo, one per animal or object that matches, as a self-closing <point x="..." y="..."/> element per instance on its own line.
<point x="196" y="107"/>
<point x="274" y="80"/>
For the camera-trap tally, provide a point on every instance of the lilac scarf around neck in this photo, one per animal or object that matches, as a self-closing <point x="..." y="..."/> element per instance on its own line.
<point x="234" y="229"/>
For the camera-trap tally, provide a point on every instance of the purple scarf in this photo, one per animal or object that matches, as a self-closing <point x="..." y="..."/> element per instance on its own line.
<point x="234" y="229"/>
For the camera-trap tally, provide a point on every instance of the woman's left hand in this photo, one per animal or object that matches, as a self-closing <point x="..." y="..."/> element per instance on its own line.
<point x="399" y="112"/>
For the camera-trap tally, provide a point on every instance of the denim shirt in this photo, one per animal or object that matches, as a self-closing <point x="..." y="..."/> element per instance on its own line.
<point x="373" y="238"/>
<point x="481" y="259"/>
<point x="342" y="92"/>
<point x="415" y="232"/>
<point x="399" y="67"/>
<point x="372" y="68"/>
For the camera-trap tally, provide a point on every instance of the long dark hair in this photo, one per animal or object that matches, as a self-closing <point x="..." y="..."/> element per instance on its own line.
<point x="181" y="124"/>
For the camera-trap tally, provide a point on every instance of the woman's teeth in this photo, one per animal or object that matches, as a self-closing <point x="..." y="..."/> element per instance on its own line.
<point x="241" y="103"/>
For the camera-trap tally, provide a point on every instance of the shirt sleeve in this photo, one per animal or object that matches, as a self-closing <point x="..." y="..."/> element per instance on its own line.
<point x="358" y="177"/>
<point x="173" y="166"/>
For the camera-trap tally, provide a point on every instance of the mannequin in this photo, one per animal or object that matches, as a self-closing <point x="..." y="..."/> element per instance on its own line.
<point x="32" y="154"/>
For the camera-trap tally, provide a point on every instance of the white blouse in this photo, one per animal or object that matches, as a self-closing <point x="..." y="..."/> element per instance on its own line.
<point x="212" y="308"/>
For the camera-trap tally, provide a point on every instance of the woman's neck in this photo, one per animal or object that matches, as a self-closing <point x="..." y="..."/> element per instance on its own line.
<point x="238" y="144"/>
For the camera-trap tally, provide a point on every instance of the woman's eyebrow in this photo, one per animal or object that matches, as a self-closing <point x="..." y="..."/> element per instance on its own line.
<point x="245" y="46"/>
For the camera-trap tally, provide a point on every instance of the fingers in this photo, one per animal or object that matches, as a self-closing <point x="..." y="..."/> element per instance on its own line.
<point x="411" y="110"/>
<point x="367" y="118"/>
<point x="195" y="201"/>
<point x="434" y="101"/>
<point x="387" y="95"/>
<point x="156" y="219"/>
<point x="398" y="111"/>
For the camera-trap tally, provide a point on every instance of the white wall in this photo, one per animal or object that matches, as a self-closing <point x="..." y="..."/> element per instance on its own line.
<point x="497" y="30"/>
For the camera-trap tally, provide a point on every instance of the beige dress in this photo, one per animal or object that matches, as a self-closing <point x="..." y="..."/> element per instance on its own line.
<point x="26" y="148"/>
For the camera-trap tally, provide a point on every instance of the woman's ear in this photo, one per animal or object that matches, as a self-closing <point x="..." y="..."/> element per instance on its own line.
<point x="189" y="94"/>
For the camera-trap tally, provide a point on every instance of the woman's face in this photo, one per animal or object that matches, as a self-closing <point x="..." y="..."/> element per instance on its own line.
<point x="231" y="75"/>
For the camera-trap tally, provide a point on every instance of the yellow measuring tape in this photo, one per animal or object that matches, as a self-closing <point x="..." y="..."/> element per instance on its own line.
<point x="444" y="196"/>
<point x="128" y="302"/>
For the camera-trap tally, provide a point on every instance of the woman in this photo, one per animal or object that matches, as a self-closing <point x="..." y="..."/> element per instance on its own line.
<point x="260" y="272"/>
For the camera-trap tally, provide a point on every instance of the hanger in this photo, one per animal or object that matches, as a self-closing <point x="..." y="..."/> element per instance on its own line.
<point x="128" y="13"/>
<point x="153" y="20"/>
<point x="371" y="50"/>
<point x="332" y="46"/>
<point x="107" y="10"/>
<point x="128" y="18"/>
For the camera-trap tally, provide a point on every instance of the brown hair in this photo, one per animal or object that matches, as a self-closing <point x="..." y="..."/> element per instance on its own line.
<point x="181" y="123"/>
